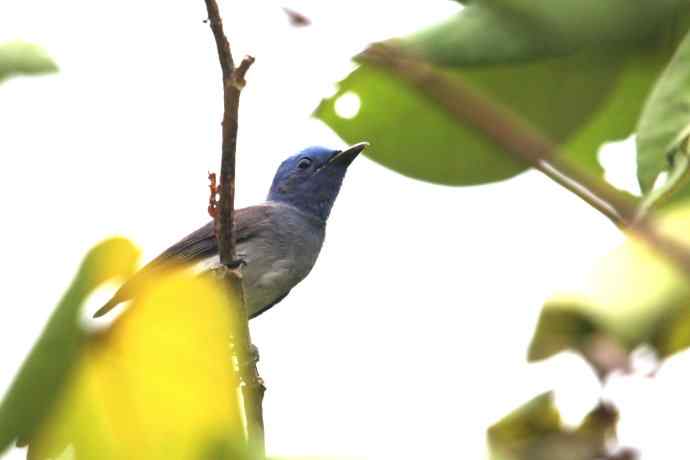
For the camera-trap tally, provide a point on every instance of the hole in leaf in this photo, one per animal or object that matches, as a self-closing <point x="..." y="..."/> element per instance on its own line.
<point x="618" y="161"/>
<point x="96" y="300"/>
<point x="661" y="180"/>
<point x="347" y="105"/>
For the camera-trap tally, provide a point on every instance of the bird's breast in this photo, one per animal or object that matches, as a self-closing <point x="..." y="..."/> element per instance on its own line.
<point x="277" y="258"/>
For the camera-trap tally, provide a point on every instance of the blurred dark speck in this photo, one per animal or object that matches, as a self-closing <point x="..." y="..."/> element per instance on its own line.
<point x="297" y="19"/>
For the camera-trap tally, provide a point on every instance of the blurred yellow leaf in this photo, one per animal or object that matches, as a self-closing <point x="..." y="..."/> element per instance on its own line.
<point x="633" y="297"/>
<point x="42" y="375"/>
<point x="159" y="384"/>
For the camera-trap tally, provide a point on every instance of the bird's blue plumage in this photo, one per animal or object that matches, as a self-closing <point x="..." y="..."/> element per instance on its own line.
<point x="279" y="240"/>
<point x="309" y="181"/>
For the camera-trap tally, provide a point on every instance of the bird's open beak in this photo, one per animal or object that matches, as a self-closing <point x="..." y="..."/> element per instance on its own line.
<point x="346" y="156"/>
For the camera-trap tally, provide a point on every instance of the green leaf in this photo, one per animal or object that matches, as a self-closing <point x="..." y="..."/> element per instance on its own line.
<point x="632" y="297"/>
<point x="415" y="136"/>
<point x="561" y="327"/>
<point x="617" y="115"/>
<point x="570" y="326"/>
<point x="580" y="97"/>
<point x="20" y="58"/>
<point x="610" y="24"/>
<point x="671" y="332"/>
<point x="535" y="432"/>
<point x="500" y="31"/>
<point x="538" y="417"/>
<point x="478" y="35"/>
<point x="35" y="388"/>
<point x="665" y="122"/>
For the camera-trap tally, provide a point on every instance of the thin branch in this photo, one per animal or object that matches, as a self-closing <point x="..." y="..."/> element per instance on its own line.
<point x="233" y="82"/>
<point x="504" y="128"/>
<point x="526" y="144"/>
<point x="227" y="64"/>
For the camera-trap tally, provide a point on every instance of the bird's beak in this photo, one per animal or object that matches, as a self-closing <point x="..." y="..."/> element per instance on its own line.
<point x="345" y="157"/>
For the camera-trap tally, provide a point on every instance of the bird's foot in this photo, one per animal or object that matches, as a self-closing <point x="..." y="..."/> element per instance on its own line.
<point x="237" y="263"/>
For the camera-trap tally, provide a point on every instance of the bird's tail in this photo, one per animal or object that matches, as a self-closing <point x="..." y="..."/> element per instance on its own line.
<point x="112" y="303"/>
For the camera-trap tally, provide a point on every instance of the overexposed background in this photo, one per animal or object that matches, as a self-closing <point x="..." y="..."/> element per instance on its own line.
<point x="410" y="336"/>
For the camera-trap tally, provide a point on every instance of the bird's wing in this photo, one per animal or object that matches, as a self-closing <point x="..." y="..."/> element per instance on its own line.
<point x="257" y="313"/>
<point x="194" y="247"/>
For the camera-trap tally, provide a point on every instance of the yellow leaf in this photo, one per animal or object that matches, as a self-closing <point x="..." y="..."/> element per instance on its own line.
<point x="159" y="384"/>
<point x="633" y="296"/>
<point x="42" y="376"/>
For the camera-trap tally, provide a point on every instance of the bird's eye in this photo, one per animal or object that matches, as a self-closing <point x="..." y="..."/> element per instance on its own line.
<point x="304" y="163"/>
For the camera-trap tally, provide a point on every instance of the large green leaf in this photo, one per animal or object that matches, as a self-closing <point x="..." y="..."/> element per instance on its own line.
<point x="611" y="23"/>
<point x="500" y="31"/>
<point x="665" y="121"/>
<point x="578" y="96"/>
<point x="35" y="388"/>
<point x="20" y="58"/>
<point x="617" y="115"/>
<point x="414" y="135"/>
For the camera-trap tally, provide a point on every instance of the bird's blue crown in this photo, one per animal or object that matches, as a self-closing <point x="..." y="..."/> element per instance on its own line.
<point x="311" y="179"/>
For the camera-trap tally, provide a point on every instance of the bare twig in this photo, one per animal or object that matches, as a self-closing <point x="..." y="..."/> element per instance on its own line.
<point x="233" y="82"/>
<point x="526" y="144"/>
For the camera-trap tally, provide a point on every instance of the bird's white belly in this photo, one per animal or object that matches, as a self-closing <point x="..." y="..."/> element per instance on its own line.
<point x="261" y="287"/>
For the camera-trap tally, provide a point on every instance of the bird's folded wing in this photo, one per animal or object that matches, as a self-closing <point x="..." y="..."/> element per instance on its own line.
<point x="197" y="245"/>
<point x="194" y="247"/>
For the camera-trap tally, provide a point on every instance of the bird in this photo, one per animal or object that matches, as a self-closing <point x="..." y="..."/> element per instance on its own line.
<point x="277" y="241"/>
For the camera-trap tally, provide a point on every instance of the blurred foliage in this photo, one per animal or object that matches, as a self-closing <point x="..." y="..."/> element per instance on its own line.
<point x="581" y="72"/>
<point x="664" y="127"/>
<point x="20" y="58"/>
<point x="159" y="382"/>
<point x="568" y="326"/>
<point x="42" y="376"/>
<point x="535" y="432"/>
<point x="580" y="86"/>
<point x="633" y="297"/>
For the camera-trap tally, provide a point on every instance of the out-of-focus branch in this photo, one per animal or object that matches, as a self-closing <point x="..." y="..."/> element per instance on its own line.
<point x="233" y="81"/>
<point x="526" y="144"/>
<point x="504" y="128"/>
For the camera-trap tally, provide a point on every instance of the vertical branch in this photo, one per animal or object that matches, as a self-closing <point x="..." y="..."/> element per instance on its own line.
<point x="233" y="81"/>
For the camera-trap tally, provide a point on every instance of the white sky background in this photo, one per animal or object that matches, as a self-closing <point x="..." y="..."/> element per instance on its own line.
<point x="409" y="338"/>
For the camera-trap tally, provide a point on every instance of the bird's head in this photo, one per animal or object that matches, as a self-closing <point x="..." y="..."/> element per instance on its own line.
<point x="311" y="179"/>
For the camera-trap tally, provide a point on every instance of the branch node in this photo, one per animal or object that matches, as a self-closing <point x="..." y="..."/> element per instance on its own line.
<point x="238" y="76"/>
<point x="213" y="196"/>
